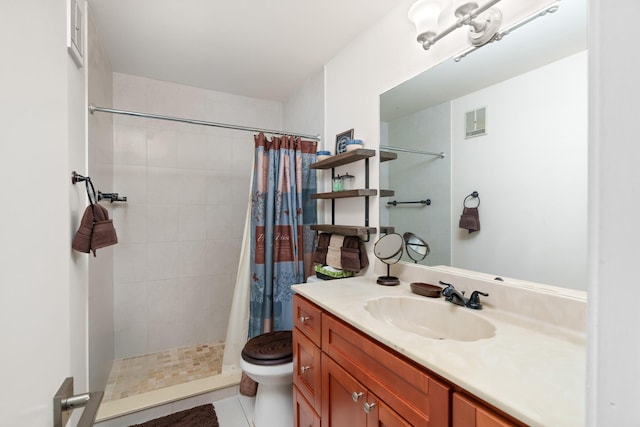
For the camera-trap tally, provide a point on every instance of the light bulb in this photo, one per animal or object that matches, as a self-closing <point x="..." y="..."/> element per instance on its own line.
<point x="424" y="14"/>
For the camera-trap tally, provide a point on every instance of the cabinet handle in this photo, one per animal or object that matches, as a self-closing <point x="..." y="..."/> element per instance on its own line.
<point x="368" y="407"/>
<point x="304" y="369"/>
<point x="356" y="396"/>
<point x="304" y="319"/>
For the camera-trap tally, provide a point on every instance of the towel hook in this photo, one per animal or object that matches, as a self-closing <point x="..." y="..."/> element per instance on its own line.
<point x="472" y="195"/>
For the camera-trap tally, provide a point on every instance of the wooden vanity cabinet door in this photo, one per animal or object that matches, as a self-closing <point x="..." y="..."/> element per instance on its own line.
<point x="468" y="413"/>
<point x="412" y="393"/>
<point x="307" y="376"/>
<point x="303" y="413"/>
<point x="339" y="407"/>
<point x="387" y="418"/>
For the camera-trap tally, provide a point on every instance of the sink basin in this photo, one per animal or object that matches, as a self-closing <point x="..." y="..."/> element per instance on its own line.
<point x="431" y="318"/>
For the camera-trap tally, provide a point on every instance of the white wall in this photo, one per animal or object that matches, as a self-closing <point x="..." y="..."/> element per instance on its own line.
<point x="614" y="177"/>
<point x="304" y="110"/>
<point x="530" y="170"/>
<point x="100" y="168"/>
<point x="181" y="229"/>
<point x="43" y="308"/>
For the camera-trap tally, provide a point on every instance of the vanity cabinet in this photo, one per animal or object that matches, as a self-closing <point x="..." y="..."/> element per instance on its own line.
<point x="469" y="413"/>
<point x="355" y="370"/>
<point x="344" y="378"/>
<point x="307" y="382"/>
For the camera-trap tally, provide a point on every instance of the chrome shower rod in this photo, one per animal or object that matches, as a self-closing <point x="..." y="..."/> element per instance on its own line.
<point x="93" y="109"/>
<point x="410" y="150"/>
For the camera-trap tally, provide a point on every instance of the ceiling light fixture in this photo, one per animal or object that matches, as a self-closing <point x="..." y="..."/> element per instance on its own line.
<point x="484" y="21"/>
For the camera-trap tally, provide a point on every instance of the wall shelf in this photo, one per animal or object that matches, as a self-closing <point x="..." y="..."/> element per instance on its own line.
<point x="345" y="230"/>
<point x="343" y="159"/>
<point x="385" y="156"/>
<point x="345" y="194"/>
<point x="387" y="229"/>
<point x="332" y="163"/>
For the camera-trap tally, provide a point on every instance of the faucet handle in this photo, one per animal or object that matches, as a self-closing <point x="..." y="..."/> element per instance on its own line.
<point x="474" y="300"/>
<point x="448" y="290"/>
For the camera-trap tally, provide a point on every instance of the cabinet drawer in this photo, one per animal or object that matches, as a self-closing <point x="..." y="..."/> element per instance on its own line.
<point x="307" y="375"/>
<point x="303" y="413"/>
<point x="411" y="392"/>
<point x="306" y="317"/>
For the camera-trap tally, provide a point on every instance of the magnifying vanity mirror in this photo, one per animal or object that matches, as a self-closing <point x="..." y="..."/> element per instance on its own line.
<point x="388" y="249"/>
<point x="417" y="249"/>
<point x="511" y="120"/>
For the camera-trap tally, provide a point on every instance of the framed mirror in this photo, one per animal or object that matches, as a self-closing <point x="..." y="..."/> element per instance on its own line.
<point x="511" y="120"/>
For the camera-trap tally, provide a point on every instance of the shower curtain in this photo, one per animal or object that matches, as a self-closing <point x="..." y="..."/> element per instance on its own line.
<point x="281" y="239"/>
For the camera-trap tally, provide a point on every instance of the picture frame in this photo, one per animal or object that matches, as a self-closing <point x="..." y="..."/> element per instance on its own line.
<point x="341" y="140"/>
<point x="75" y="32"/>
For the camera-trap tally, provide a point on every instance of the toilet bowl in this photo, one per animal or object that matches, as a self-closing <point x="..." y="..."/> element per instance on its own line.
<point x="268" y="360"/>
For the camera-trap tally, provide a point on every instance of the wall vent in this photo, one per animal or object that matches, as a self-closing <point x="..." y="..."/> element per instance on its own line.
<point x="476" y="123"/>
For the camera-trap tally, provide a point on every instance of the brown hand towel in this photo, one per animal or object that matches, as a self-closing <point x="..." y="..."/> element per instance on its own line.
<point x="354" y="254"/>
<point x="95" y="231"/>
<point x="82" y="239"/>
<point x="104" y="234"/>
<point x="470" y="219"/>
<point x="320" y="254"/>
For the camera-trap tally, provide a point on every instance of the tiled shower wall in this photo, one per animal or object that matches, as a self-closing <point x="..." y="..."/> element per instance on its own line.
<point x="416" y="177"/>
<point x="180" y="232"/>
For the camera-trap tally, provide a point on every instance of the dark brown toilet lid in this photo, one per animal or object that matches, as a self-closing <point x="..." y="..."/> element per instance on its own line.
<point x="271" y="348"/>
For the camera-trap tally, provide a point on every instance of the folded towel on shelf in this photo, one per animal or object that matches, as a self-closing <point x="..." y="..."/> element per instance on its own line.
<point x="334" y="273"/>
<point x="334" y="257"/>
<point x="354" y="254"/>
<point x="470" y="219"/>
<point x="95" y="231"/>
<point x="342" y="252"/>
<point x="336" y="241"/>
<point x="320" y="254"/>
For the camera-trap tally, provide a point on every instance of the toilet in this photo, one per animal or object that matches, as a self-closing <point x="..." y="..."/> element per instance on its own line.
<point x="268" y="360"/>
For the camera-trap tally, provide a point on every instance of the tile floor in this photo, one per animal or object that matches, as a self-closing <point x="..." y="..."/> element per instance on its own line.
<point x="140" y="374"/>
<point x="236" y="411"/>
<point x="136" y="375"/>
<point x="232" y="411"/>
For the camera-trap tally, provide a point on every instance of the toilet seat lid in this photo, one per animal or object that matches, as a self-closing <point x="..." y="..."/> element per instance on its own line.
<point x="271" y="348"/>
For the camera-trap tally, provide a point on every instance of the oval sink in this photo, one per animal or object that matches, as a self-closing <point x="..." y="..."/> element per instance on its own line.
<point x="431" y="318"/>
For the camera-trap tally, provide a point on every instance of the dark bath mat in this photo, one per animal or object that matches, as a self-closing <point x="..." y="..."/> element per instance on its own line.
<point x="200" y="416"/>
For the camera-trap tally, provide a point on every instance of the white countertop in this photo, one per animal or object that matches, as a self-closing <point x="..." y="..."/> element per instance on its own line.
<point x="530" y="369"/>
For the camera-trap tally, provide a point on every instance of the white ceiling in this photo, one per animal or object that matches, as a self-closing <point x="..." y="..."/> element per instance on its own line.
<point x="257" y="48"/>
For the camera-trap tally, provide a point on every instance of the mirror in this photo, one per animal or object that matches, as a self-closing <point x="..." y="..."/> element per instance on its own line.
<point x="417" y="249"/>
<point x="388" y="249"/>
<point x="511" y="120"/>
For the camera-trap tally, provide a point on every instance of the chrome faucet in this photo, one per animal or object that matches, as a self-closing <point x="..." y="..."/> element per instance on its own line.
<point x="454" y="296"/>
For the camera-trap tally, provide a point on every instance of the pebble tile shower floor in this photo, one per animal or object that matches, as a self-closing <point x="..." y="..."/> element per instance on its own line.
<point x="139" y="374"/>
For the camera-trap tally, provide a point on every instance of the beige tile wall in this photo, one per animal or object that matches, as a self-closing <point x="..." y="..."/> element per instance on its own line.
<point x="180" y="231"/>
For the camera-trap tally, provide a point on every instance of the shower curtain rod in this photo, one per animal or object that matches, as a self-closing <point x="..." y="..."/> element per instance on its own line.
<point x="409" y="150"/>
<point x="93" y="109"/>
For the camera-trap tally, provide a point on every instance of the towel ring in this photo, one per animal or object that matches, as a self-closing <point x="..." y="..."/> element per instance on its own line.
<point x="473" y="195"/>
